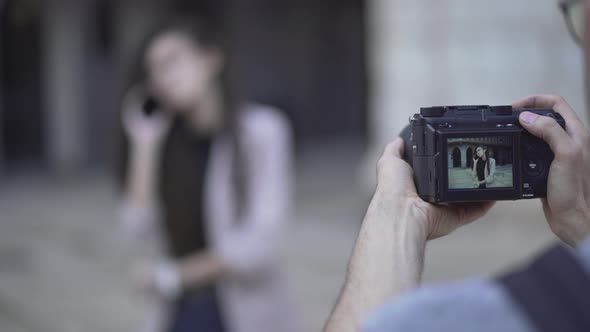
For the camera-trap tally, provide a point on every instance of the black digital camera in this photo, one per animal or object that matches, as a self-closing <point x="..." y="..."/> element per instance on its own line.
<point x="476" y="153"/>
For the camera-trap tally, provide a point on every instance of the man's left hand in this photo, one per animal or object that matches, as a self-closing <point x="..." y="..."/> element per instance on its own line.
<point x="395" y="184"/>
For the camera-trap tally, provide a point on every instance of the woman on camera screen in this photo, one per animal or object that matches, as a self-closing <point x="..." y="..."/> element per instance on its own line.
<point x="214" y="176"/>
<point x="484" y="168"/>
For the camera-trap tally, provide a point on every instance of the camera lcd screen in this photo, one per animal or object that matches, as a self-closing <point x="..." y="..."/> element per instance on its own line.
<point x="480" y="163"/>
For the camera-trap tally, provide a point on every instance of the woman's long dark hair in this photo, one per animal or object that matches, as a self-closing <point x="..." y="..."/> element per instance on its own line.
<point x="204" y="36"/>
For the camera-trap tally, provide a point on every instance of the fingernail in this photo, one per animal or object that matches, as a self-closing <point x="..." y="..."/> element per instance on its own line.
<point x="528" y="117"/>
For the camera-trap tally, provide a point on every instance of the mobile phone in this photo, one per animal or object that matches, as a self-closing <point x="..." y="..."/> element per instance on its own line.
<point x="150" y="106"/>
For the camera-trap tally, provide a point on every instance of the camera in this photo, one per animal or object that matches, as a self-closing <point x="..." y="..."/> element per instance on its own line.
<point x="476" y="153"/>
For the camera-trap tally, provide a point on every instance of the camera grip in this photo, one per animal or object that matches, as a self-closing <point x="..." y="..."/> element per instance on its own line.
<point x="406" y="135"/>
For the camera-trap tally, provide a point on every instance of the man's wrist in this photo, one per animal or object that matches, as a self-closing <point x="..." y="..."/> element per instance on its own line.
<point x="400" y="212"/>
<point x="578" y="228"/>
<point x="388" y="256"/>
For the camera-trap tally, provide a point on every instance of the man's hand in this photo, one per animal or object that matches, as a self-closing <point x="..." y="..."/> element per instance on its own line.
<point x="389" y="253"/>
<point x="567" y="206"/>
<point x="395" y="184"/>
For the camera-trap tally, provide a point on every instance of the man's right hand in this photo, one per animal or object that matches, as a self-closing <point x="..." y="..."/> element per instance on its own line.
<point x="567" y="206"/>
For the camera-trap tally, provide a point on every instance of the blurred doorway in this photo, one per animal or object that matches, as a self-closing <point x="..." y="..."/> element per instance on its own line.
<point x="20" y="74"/>
<point x="456" y="158"/>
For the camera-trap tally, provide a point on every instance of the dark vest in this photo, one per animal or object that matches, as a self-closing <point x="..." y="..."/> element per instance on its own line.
<point x="184" y="163"/>
<point x="553" y="292"/>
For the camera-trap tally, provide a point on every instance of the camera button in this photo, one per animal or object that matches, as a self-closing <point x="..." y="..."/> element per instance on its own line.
<point x="432" y="112"/>
<point x="533" y="166"/>
<point x="527" y="190"/>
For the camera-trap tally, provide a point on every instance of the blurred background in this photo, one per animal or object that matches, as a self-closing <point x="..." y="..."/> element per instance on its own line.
<point x="347" y="73"/>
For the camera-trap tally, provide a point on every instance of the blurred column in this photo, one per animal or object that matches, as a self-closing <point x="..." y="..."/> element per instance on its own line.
<point x="463" y="150"/>
<point x="2" y="3"/>
<point x="381" y="52"/>
<point x="587" y="58"/>
<point x="65" y="32"/>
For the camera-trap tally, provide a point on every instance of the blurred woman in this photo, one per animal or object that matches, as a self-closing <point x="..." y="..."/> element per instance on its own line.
<point x="484" y="168"/>
<point x="215" y="175"/>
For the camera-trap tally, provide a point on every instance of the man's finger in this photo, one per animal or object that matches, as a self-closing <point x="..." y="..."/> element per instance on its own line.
<point x="558" y="104"/>
<point x="548" y="130"/>
<point x="536" y="101"/>
<point x="554" y="102"/>
<point x="395" y="148"/>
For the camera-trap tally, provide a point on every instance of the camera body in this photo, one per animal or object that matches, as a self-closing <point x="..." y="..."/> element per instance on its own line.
<point x="476" y="153"/>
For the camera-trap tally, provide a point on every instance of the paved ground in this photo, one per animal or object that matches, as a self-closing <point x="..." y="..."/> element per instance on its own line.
<point x="63" y="267"/>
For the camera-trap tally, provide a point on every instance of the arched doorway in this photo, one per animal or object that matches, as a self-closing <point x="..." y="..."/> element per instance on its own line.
<point x="456" y="158"/>
<point x="469" y="157"/>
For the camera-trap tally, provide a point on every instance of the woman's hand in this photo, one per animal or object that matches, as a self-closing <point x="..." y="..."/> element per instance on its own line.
<point x="143" y="129"/>
<point x="143" y="280"/>
<point x="396" y="185"/>
<point x="567" y="206"/>
<point x="157" y="281"/>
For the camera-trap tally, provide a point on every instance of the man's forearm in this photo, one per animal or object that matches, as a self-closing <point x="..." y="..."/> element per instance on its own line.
<point x="387" y="259"/>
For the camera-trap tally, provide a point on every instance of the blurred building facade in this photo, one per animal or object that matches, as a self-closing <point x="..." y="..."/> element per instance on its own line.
<point x="63" y="65"/>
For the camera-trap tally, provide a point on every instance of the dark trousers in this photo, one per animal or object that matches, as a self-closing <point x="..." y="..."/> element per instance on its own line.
<point x="482" y="186"/>
<point x="197" y="312"/>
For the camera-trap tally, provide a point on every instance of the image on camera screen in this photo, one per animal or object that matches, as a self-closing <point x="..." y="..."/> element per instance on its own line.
<point x="480" y="162"/>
